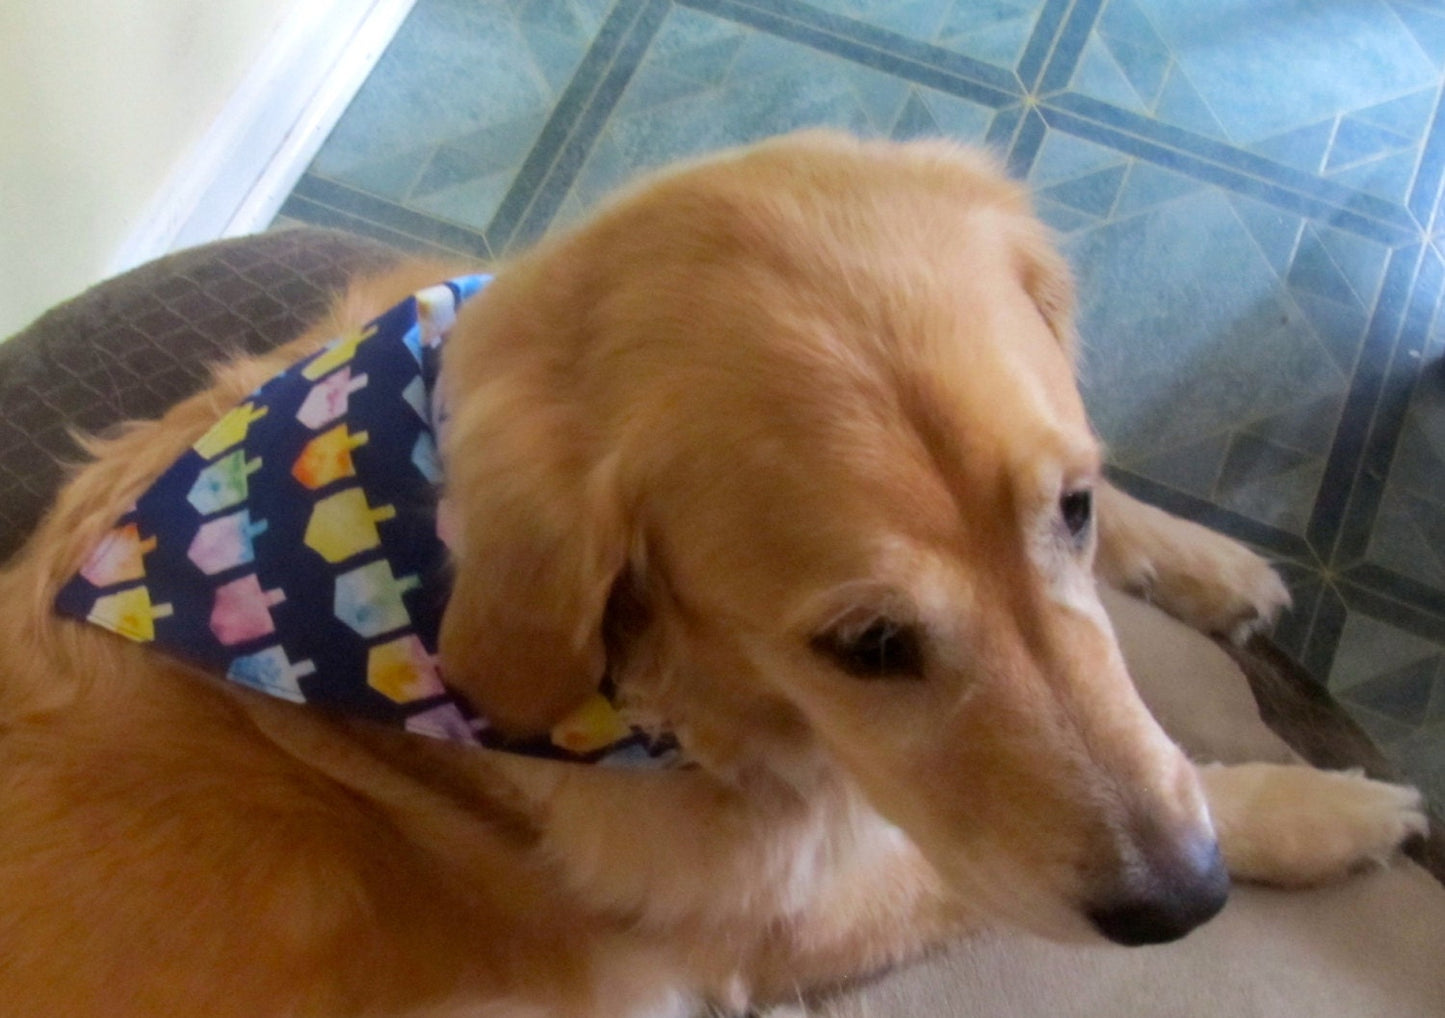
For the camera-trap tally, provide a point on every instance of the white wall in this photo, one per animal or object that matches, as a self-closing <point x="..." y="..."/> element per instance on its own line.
<point x="100" y="101"/>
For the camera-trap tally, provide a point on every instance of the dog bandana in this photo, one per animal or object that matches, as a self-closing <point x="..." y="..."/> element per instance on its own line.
<point x="295" y="548"/>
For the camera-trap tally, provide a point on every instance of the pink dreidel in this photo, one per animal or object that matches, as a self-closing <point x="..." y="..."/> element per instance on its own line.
<point x="442" y="722"/>
<point x="329" y="398"/>
<point x="242" y="610"/>
<point x="117" y="559"/>
<point x="225" y="543"/>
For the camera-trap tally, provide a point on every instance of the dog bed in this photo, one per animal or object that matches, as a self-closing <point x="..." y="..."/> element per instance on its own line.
<point x="1375" y="945"/>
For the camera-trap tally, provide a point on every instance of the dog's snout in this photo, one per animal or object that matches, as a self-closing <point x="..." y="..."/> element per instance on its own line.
<point x="1166" y="901"/>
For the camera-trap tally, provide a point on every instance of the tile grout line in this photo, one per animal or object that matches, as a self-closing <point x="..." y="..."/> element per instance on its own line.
<point x="1310" y="197"/>
<point x="1075" y="21"/>
<point x="1343" y="463"/>
<point x="1323" y="642"/>
<point x="591" y="120"/>
<point x="867" y="36"/>
<point x="1432" y="159"/>
<point x="1028" y="140"/>
<point x="1386" y="419"/>
<point x="1367" y="498"/>
<point x="909" y="67"/>
<point x="540" y="161"/>
<point x="1039" y="50"/>
<point x="1319" y="171"/>
<point x="1063" y="61"/>
<point x="1391" y="610"/>
<point x="1003" y="129"/>
<point x="1291" y="630"/>
<point x="1136" y="134"/>
<point x="391" y="215"/>
<point x="320" y="214"/>
<point x="1412" y="594"/>
<point x="1407" y="364"/>
<point x="1212" y="168"/>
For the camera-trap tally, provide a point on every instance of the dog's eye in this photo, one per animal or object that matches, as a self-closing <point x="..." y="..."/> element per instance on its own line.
<point x="1077" y="510"/>
<point x="883" y="649"/>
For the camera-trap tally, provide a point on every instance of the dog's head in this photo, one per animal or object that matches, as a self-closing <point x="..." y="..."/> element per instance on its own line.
<point x="789" y="439"/>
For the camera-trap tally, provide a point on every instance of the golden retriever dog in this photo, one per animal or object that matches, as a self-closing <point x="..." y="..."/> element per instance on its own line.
<point x="786" y="445"/>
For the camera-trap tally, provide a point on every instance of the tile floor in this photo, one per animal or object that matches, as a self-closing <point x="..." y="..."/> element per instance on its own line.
<point x="1249" y="193"/>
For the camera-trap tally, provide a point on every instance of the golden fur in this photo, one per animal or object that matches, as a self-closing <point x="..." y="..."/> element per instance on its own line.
<point x="751" y="409"/>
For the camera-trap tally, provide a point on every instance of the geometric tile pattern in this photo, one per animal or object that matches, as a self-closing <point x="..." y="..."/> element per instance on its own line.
<point x="1249" y="194"/>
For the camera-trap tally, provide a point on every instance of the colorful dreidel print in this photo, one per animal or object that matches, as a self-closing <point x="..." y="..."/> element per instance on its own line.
<point x="343" y="525"/>
<point x="329" y="399"/>
<point x="336" y="353"/>
<point x="327" y="457"/>
<point x="436" y="310"/>
<point x="118" y="557"/>
<point x="129" y="613"/>
<point x="470" y="286"/>
<point x="412" y="341"/>
<point x="229" y="430"/>
<point x="241" y="610"/>
<point x="442" y="722"/>
<point x="225" y="543"/>
<point x="269" y="671"/>
<point x="594" y="725"/>
<point x="368" y="599"/>
<point x="415" y="396"/>
<point x="223" y="484"/>
<point x="424" y="457"/>
<point x="402" y="671"/>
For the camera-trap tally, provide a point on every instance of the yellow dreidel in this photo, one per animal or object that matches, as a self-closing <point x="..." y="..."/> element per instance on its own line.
<point x="336" y="353"/>
<point x="129" y="613"/>
<point x="343" y="525"/>
<point x="402" y="671"/>
<point x="229" y="430"/>
<point x="592" y="726"/>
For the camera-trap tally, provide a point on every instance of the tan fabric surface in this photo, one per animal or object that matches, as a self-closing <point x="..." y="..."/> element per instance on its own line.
<point x="1374" y="946"/>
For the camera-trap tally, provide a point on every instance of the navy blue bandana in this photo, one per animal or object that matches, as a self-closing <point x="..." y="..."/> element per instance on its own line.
<point x="295" y="548"/>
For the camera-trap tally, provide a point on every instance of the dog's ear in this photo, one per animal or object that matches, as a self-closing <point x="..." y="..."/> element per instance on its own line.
<point x="534" y="562"/>
<point x="1046" y="278"/>
<point x="537" y="536"/>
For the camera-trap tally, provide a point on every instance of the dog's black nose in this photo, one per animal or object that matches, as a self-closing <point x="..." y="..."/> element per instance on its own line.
<point x="1168" y="903"/>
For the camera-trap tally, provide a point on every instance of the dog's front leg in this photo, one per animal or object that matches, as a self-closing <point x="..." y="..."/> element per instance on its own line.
<point x="1208" y="580"/>
<point x="1293" y="826"/>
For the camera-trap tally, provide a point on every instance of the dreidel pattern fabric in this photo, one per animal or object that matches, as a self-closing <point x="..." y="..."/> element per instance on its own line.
<point x="295" y="549"/>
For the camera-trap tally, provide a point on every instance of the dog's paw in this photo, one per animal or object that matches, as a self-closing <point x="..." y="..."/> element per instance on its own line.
<point x="1210" y="581"/>
<point x="1220" y="587"/>
<point x="1295" y="826"/>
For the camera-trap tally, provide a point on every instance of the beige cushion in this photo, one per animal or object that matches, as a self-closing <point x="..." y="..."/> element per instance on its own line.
<point x="1373" y="946"/>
